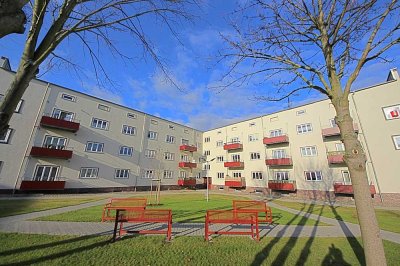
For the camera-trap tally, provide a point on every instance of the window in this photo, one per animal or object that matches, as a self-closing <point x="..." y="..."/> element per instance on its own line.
<point x="185" y="158"/>
<point x="68" y="97"/>
<point x="237" y="174"/>
<point x="207" y="139"/>
<point x="304" y="128"/>
<point x="125" y="151"/>
<point x="89" y="172"/>
<point x="253" y="137"/>
<point x="275" y="133"/>
<point x="99" y="123"/>
<point x="186" y="131"/>
<point x="257" y="175"/>
<point x="301" y="112"/>
<point x="169" y="156"/>
<point x="236" y="157"/>
<point x="206" y="167"/>
<point x="281" y="175"/>
<point x="131" y="115"/>
<point x="392" y="112"/>
<point x="234" y="128"/>
<point x="122" y="173"/>
<point x="220" y="143"/>
<point x="220" y="159"/>
<point x="340" y="146"/>
<point x="5" y="137"/>
<point x="278" y="154"/>
<point x="308" y="151"/>
<point x="45" y="173"/>
<point x="128" y="130"/>
<point x="235" y="140"/>
<point x="148" y="174"/>
<point x="252" y="124"/>
<point x="346" y="177"/>
<point x="1" y="162"/>
<point x="255" y="156"/>
<point x="207" y="153"/>
<point x="63" y="115"/>
<point x="170" y="139"/>
<point x="94" y="146"/>
<point x="104" y="107"/>
<point x="273" y="119"/>
<point x="396" y="141"/>
<point x="171" y="127"/>
<point x="150" y="154"/>
<point x="313" y="175"/>
<point x="19" y="106"/>
<point x="220" y="175"/>
<point x="154" y="122"/>
<point x="53" y="142"/>
<point x="168" y="174"/>
<point x="219" y="132"/>
<point x="185" y="142"/>
<point x="332" y="122"/>
<point x="152" y="135"/>
<point x="182" y="174"/>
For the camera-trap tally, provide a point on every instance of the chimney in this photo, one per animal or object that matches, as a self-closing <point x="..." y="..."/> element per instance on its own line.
<point x="5" y="63"/>
<point x="393" y="75"/>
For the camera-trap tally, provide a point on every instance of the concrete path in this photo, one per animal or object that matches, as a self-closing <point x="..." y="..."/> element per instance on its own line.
<point x="21" y="224"/>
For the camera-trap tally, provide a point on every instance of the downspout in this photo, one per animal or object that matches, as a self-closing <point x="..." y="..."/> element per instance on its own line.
<point x="24" y="160"/>
<point x="141" y="149"/>
<point x="367" y="148"/>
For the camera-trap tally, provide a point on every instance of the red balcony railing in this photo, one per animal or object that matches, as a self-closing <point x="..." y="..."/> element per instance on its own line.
<point x="276" y="140"/>
<point x="187" y="165"/>
<point x="52" y="122"/>
<point x="188" y="148"/>
<point x="335" y="157"/>
<point x="233" y="146"/>
<point x="335" y="131"/>
<point x="56" y="184"/>
<point x="285" y="185"/>
<point x="281" y="161"/>
<point x="341" y="188"/>
<point x="237" y="182"/>
<point x="50" y="153"/>
<point x="187" y="182"/>
<point x="234" y="164"/>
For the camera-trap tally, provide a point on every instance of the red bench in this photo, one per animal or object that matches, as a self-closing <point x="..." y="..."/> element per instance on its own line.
<point x="121" y="203"/>
<point x="135" y="215"/>
<point x="232" y="217"/>
<point x="254" y="206"/>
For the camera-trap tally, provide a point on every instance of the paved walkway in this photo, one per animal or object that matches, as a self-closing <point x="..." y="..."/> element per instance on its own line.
<point x="22" y="224"/>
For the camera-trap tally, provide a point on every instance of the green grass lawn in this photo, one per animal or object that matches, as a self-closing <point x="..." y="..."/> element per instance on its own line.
<point x="152" y="250"/>
<point x="21" y="206"/>
<point x="387" y="219"/>
<point x="188" y="207"/>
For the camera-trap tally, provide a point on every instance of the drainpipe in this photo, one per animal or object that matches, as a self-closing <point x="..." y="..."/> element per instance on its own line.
<point x="141" y="148"/>
<point x="367" y="148"/>
<point x="24" y="160"/>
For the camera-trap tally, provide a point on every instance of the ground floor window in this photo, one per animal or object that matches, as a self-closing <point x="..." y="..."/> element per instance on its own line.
<point x="89" y="172"/>
<point x="122" y="173"/>
<point x="168" y="174"/>
<point x="257" y="175"/>
<point x="148" y="174"/>
<point x="45" y="173"/>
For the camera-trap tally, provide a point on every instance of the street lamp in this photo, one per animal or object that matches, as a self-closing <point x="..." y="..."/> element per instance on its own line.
<point x="207" y="165"/>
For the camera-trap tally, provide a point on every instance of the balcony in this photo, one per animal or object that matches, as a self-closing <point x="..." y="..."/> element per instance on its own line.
<point x="336" y="157"/>
<point x="187" y="165"/>
<point x="233" y="146"/>
<point x="188" y="148"/>
<point x="187" y="182"/>
<point x="52" y="122"/>
<point x="51" y="152"/>
<point x="343" y="188"/>
<point x="279" y="162"/>
<point x="284" y="185"/>
<point x="235" y="182"/>
<point x="234" y="164"/>
<point x="335" y="131"/>
<point x="276" y="140"/>
<point x="56" y="184"/>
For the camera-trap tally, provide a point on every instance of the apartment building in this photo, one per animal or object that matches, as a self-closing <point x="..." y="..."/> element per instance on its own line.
<point x="61" y="139"/>
<point x="299" y="151"/>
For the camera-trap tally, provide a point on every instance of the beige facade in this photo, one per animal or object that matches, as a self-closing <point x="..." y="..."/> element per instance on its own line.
<point x="296" y="151"/>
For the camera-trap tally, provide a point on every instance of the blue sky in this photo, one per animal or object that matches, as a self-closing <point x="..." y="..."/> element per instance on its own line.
<point x="193" y="64"/>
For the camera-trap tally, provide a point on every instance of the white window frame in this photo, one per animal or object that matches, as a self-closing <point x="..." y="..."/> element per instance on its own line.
<point x="171" y="127"/>
<point x="5" y="138"/>
<point x="103" y="107"/>
<point x="128" y="130"/>
<point x="235" y="140"/>
<point x="19" y="106"/>
<point x="131" y="115"/>
<point x="168" y="174"/>
<point x="185" y="158"/>
<point x="235" y="158"/>
<point x="184" y="141"/>
<point x="275" y="133"/>
<point x="55" y="142"/>
<point x="304" y="128"/>
<point x="99" y="123"/>
<point x="396" y="141"/>
<point x="170" y="139"/>
<point x="95" y="147"/>
<point x="257" y="175"/>
<point x="148" y="174"/>
<point x="237" y="174"/>
<point x="125" y="151"/>
<point x="279" y="154"/>
<point x="183" y="174"/>
<point x="220" y="175"/>
<point x="207" y="139"/>
<point x="220" y="143"/>
<point x="220" y="159"/>
<point x="339" y="146"/>
<point x="169" y="156"/>
<point x="150" y="154"/>
<point x="89" y="172"/>
<point x="255" y="156"/>
<point x="63" y="115"/>
<point x="281" y="175"/>
<point x="152" y="135"/>
<point x="68" y="97"/>
<point x="253" y="137"/>
<point x="308" y="151"/>
<point x="154" y="122"/>
<point x="301" y="112"/>
<point x="313" y="176"/>
<point x="207" y="153"/>
<point x="121" y="174"/>
<point x="49" y="177"/>
<point x="346" y="177"/>
<point x="332" y="122"/>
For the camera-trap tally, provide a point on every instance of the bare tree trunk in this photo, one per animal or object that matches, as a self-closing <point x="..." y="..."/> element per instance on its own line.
<point x="355" y="159"/>
<point x="24" y="75"/>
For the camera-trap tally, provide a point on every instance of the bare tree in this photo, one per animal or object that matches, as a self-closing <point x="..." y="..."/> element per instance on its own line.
<point x="321" y="45"/>
<point x="90" y="22"/>
<point x="12" y="17"/>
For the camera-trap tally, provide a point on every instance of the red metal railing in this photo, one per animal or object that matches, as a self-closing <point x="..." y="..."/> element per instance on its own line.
<point x="276" y="140"/>
<point x="285" y="185"/>
<point x="279" y="161"/>
<point x="341" y="188"/>
<point x="233" y="146"/>
<point x="187" y="165"/>
<point x="335" y="157"/>
<point x="188" y="148"/>
<point x="335" y="131"/>
<point x="234" y="164"/>
<point x="48" y="121"/>
<point x="50" y="153"/>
